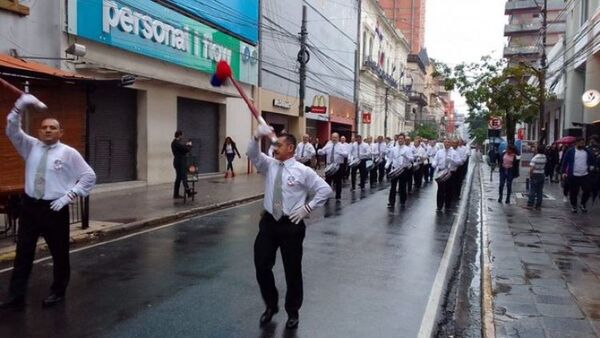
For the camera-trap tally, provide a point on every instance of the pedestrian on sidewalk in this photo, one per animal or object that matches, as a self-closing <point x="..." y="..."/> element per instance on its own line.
<point x="551" y="162"/>
<point x="594" y="148"/>
<point x="507" y="163"/>
<point x="55" y="175"/>
<point x="230" y="150"/>
<point x="180" y="152"/>
<point x="577" y="164"/>
<point x="536" y="178"/>
<point x="287" y="184"/>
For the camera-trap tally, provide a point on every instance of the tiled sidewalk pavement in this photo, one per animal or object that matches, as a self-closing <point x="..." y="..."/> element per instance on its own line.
<point x="545" y="264"/>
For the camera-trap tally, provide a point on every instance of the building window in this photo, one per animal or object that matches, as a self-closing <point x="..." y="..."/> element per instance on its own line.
<point x="364" y="46"/>
<point x="585" y="11"/>
<point x="370" y="48"/>
<point x="14" y="6"/>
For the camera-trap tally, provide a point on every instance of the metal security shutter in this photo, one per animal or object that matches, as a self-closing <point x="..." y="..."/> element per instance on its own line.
<point x="113" y="134"/>
<point x="199" y="122"/>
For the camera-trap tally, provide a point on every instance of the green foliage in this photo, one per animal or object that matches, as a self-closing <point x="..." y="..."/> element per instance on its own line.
<point x="494" y="88"/>
<point x="428" y="131"/>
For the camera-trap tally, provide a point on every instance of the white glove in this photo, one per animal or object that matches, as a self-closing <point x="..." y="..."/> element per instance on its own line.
<point x="388" y="164"/>
<point x="299" y="214"/>
<point x="60" y="203"/>
<point x="27" y="100"/>
<point x="263" y="130"/>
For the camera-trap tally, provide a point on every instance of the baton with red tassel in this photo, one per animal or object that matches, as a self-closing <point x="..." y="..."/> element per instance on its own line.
<point x="18" y="92"/>
<point x="222" y="74"/>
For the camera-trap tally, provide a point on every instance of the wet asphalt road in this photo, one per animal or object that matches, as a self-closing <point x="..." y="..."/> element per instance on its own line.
<point x="367" y="273"/>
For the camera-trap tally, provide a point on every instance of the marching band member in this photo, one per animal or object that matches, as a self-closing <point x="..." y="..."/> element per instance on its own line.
<point x="419" y="166"/>
<point x="335" y="153"/>
<point x="305" y="151"/>
<point x="378" y="151"/>
<point x="431" y="150"/>
<point x="347" y="148"/>
<point x="286" y="204"/>
<point x="444" y="161"/>
<point x="361" y="152"/>
<point x="409" y="183"/>
<point x="457" y="172"/>
<point x="400" y="157"/>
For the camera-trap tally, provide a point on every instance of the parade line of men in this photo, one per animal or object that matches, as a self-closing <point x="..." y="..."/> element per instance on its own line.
<point x="406" y="165"/>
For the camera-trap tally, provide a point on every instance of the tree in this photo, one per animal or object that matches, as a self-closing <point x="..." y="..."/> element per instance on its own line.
<point x="427" y="130"/>
<point x="494" y="88"/>
<point x="477" y="127"/>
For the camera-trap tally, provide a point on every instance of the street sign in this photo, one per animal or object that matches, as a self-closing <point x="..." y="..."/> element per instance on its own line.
<point x="591" y="98"/>
<point x="495" y="123"/>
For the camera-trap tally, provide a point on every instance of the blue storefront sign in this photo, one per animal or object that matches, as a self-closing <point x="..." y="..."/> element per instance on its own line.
<point x="149" y="29"/>
<point x="239" y="17"/>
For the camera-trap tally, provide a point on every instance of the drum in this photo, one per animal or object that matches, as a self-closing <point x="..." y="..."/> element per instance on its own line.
<point x="396" y="172"/>
<point x="442" y="175"/>
<point x="331" y="169"/>
<point x="354" y="163"/>
<point x="370" y="165"/>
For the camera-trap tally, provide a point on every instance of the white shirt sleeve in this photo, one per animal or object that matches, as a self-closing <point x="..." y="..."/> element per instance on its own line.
<point x="321" y="189"/>
<point x="20" y="140"/>
<point x="86" y="178"/>
<point x="260" y="160"/>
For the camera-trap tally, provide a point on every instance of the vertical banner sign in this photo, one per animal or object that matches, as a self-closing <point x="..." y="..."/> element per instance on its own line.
<point x="149" y="29"/>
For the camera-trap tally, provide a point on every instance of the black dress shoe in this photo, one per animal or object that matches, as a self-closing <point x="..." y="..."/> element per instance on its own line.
<point x="52" y="300"/>
<point x="292" y="323"/>
<point x="13" y="304"/>
<point x="268" y="315"/>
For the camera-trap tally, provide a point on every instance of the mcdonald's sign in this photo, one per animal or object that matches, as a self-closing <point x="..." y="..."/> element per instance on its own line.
<point x="319" y="105"/>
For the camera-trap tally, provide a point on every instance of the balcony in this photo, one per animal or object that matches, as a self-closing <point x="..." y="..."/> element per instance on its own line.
<point x="524" y="6"/>
<point x="518" y="29"/>
<point x="522" y="50"/>
<point x="516" y="6"/>
<point x="418" y="98"/>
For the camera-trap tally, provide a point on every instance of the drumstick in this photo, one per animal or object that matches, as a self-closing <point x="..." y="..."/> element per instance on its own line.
<point x="223" y="73"/>
<point x="18" y="92"/>
<point x="10" y="87"/>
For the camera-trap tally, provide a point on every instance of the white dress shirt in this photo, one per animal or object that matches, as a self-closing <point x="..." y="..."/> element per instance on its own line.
<point x="297" y="180"/>
<point x="420" y="152"/>
<point x="66" y="170"/>
<point x="446" y="159"/>
<point x="340" y="152"/>
<point x="378" y="150"/>
<point x="305" y="151"/>
<point x="362" y="151"/>
<point x="400" y="156"/>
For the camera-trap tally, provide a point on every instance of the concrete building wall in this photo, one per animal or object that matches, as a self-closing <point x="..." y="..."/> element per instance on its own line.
<point x="35" y="34"/>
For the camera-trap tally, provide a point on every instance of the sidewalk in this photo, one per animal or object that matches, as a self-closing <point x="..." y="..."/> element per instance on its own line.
<point x="545" y="265"/>
<point x="123" y="210"/>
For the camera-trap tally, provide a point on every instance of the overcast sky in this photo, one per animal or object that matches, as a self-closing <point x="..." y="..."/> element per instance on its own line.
<point x="464" y="30"/>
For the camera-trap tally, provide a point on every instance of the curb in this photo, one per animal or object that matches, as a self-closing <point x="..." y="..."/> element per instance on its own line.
<point x="448" y="263"/>
<point x="97" y="236"/>
<point x="488" y="328"/>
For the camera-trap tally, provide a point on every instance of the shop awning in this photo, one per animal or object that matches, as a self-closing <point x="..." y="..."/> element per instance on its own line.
<point x="13" y="65"/>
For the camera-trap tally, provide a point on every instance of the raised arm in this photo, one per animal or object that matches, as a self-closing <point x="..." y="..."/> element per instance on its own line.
<point x="20" y="140"/>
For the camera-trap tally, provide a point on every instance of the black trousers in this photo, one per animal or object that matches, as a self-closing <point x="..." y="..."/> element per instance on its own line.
<point x="373" y="174"/>
<point x="288" y="237"/>
<point x="382" y="172"/>
<point x="230" y="158"/>
<point x="336" y="180"/>
<point x="180" y="177"/>
<point x="399" y="183"/>
<point x="418" y="176"/>
<point x="576" y="183"/>
<point x="38" y="219"/>
<point x="362" y="169"/>
<point x="444" y="194"/>
<point x="409" y="183"/>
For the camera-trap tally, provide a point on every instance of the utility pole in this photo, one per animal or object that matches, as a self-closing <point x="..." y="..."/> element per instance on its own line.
<point x="303" y="58"/>
<point x="357" y="71"/>
<point x="542" y="75"/>
<point x="385" y="117"/>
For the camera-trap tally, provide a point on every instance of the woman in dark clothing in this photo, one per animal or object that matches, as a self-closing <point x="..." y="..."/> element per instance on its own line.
<point x="507" y="162"/>
<point x="552" y="162"/>
<point x="230" y="150"/>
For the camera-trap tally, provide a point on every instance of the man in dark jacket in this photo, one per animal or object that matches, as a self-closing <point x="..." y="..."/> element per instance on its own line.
<point x="180" y="151"/>
<point x="576" y="166"/>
